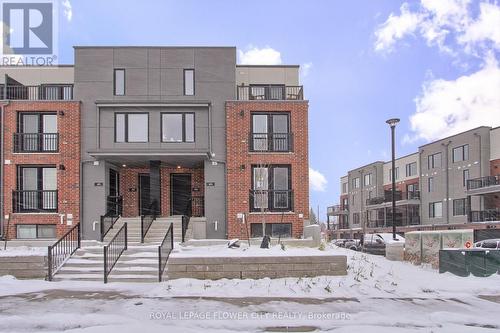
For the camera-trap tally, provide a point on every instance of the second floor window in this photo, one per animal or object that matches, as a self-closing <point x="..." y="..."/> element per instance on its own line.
<point x="119" y="82"/>
<point x="461" y="153"/>
<point x="131" y="127"/>
<point x="459" y="207"/>
<point x="436" y="209"/>
<point x="36" y="132"/>
<point x="271" y="188"/>
<point x="177" y="127"/>
<point x="270" y="132"/>
<point x="36" y="189"/>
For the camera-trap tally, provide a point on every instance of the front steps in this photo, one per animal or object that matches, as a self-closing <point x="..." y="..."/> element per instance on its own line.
<point x="139" y="263"/>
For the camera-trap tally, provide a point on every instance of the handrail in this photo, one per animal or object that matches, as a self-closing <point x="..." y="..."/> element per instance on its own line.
<point x="109" y="219"/>
<point x="36" y="142"/>
<point x="26" y="201"/>
<point x="114" y="250"/>
<point x="269" y="92"/>
<point x="62" y="249"/>
<point x="164" y="250"/>
<point x="47" y="92"/>
<point x="147" y="220"/>
<point x="487" y="181"/>
<point x="185" y="225"/>
<point x="271" y="142"/>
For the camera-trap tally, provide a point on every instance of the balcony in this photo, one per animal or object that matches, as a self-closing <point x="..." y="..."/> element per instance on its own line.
<point x="46" y="92"/>
<point x="411" y="195"/>
<point x="271" y="200"/>
<point x="36" y="142"/>
<point x="483" y="185"/>
<point x="338" y="210"/>
<point x="269" y="92"/>
<point x="487" y="215"/>
<point x="34" y="201"/>
<point x="271" y="142"/>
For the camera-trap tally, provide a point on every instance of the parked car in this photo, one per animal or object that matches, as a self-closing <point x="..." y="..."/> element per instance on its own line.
<point x="352" y="244"/>
<point x="375" y="243"/>
<point x="491" y="244"/>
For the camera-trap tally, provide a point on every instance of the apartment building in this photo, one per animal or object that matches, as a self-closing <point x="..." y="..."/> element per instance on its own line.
<point x="449" y="183"/>
<point x="40" y="152"/>
<point x="163" y="131"/>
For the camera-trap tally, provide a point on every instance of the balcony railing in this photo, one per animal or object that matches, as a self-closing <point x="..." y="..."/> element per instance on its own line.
<point x="269" y="92"/>
<point x="34" y="201"/>
<point x="46" y="92"/>
<point x="410" y="195"/>
<point x="36" y="142"/>
<point x="487" y="215"/>
<point x="476" y="183"/>
<point x="338" y="209"/>
<point x="271" y="200"/>
<point x="271" y="142"/>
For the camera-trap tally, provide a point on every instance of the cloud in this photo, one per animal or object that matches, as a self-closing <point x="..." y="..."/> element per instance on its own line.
<point x="67" y="10"/>
<point x="259" y="56"/>
<point x="317" y="181"/>
<point x="305" y="69"/>
<point x="449" y="107"/>
<point x="441" y="22"/>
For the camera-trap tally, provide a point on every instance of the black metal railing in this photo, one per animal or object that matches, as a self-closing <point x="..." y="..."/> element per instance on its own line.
<point x="46" y="92"/>
<point x="269" y="92"/>
<point x="164" y="250"/>
<point x="337" y="210"/>
<point x="36" y="142"/>
<point x="34" y="201"/>
<point x="487" y="215"/>
<point x="61" y="250"/>
<point x="197" y="206"/>
<point x="113" y="213"/>
<point x="473" y="184"/>
<point x="386" y="198"/>
<point x="114" y="250"/>
<point x="147" y="220"/>
<point x="185" y="226"/>
<point x="271" y="200"/>
<point x="273" y="142"/>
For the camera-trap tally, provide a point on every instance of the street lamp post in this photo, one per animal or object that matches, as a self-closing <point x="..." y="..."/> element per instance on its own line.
<point x="392" y="123"/>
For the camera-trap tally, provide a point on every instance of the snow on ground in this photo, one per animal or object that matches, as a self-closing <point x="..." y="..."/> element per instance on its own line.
<point x="16" y="251"/>
<point x="377" y="295"/>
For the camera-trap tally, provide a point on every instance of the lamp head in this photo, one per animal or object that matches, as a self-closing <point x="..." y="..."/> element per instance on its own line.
<point x="392" y="122"/>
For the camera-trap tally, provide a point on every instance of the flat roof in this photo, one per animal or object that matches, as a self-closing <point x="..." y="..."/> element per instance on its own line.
<point x="454" y="135"/>
<point x="149" y="47"/>
<point x="269" y="66"/>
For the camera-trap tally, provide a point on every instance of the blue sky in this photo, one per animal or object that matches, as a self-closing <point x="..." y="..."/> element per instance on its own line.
<point x="424" y="62"/>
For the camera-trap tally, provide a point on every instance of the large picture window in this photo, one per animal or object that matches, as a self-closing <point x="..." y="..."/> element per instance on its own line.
<point x="131" y="127"/>
<point x="177" y="127"/>
<point x="271" y="188"/>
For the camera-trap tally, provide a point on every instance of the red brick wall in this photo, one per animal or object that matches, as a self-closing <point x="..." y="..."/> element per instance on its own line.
<point x="495" y="171"/>
<point x="68" y="180"/>
<point x="402" y="185"/>
<point x="239" y="180"/>
<point x="129" y="178"/>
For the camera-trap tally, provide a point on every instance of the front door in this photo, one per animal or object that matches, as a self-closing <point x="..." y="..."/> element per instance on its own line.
<point x="144" y="194"/>
<point x="180" y="194"/>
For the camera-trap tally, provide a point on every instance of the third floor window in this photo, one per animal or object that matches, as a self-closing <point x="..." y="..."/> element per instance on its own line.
<point x="434" y="161"/>
<point x="36" y="132"/>
<point x="177" y="127"/>
<point x="270" y="132"/>
<point x="461" y="153"/>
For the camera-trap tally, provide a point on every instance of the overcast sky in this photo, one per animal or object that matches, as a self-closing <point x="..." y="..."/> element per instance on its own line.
<point x="434" y="64"/>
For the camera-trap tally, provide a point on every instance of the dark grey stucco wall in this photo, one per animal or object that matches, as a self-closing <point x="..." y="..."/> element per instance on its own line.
<point x="154" y="75"/>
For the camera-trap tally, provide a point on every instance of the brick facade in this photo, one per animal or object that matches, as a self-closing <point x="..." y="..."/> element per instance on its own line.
<point x="66" y="161"/>
<point x="495" y="171"/>
<point x="129" y="188"/>
<point x="240" y="161"/>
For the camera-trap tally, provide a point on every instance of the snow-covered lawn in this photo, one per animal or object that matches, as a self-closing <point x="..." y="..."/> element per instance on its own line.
<point x="376" y="296"/>
<point x="15" y="251"/>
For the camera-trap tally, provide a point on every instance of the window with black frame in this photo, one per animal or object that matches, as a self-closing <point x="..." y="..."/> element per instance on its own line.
<point x="36" y="189"/>
<point x="276" y="230"/>
<point x="177" y="127"/>
<point x="271" y="188"/>
<point x="271" y="132"/>
<point x="36" y="132"/>
<point x="131" y="127"/>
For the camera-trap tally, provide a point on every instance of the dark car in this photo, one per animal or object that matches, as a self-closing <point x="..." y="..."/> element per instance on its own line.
<point x="375" y="243"/>
<point x="351" y="244"/>
<point x="491" y="244"/>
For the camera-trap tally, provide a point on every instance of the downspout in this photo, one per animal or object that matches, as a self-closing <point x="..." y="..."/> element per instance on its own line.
<point x="447" y="178"/>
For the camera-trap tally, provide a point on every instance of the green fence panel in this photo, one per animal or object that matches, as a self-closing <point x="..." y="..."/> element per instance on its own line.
<point x="476" y="263"/>
<point x="453" y="261"/>
<point x="493" y="261"/>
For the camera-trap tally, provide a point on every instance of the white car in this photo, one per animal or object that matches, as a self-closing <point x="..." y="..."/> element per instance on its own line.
<point x="491" y="244"/>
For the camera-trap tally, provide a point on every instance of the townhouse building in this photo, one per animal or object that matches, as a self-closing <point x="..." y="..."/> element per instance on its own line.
<point x="131" y="132"/>
<point x="449" y="183"/>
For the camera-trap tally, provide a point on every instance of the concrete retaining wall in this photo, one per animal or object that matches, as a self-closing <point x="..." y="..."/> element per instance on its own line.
<point x="24" y="267"/>
<point x="255" y="267"/>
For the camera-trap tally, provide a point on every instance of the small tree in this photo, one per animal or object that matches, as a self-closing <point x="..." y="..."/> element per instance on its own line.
<point x="312" y="217"/>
